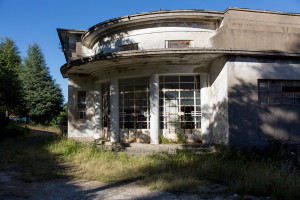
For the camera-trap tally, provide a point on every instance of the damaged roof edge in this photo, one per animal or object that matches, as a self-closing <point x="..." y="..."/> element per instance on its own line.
<point x="61" y="30"/>
<point x="153" y="14"/>
<point x="161" y="52"/>
<point x="261" y="11"/>
<point x="69" y="31"/>
<point x="150" y="16"/>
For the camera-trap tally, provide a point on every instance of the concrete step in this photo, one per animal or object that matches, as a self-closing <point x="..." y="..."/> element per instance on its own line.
<point x="137" y="148"/>
<point x="100" y="142"/>
<point x="109" y="146"/>
<point x="143" y="148"/>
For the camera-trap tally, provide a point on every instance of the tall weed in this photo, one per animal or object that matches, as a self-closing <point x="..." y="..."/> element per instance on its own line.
<point x="178" y="172"/>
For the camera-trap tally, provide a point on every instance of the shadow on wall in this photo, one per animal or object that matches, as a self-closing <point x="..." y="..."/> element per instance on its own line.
<point x="82" y="127"/>
<point x="112" y="43"/>
<point x="250" y="124"/>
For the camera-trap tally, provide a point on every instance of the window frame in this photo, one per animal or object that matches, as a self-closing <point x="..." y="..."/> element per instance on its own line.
<point x="191" y="44"/>
<point x="129" y="91"/>
<point x="78" y="103"/>
<point x="129" y="47"/>
<point x="185" y="119"/>
<point x="274" y="92"/>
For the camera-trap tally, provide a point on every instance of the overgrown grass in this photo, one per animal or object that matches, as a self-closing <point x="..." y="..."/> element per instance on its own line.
<point x="179" y="140"/>
<point x="28" y="155"/>
<point x="98" y="164"/>
<point x="52" y="128"/>
<point x="32" y="125"/>
<point x="182" y="171"/>
<point x="179" y="172"/>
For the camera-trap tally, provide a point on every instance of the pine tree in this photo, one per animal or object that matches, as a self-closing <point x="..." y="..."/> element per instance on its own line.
<point x="10" y="84"/>
<point x="43" y="97"/>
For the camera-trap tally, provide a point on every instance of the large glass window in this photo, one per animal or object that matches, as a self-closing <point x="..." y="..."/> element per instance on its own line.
<point x="180" y="104"/>
<point x="134" y="103"/>
<point x="275" y="92"/>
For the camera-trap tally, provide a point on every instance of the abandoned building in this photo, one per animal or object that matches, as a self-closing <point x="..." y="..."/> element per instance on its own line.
<point x="229" y="77"/>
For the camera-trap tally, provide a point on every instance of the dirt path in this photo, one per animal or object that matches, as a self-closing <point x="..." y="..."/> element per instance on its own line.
<point x="13" y="188"/>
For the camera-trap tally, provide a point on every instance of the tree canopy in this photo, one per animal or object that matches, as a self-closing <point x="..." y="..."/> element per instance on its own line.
<point x="28" y="88"/>
<point x="43" y="97"/>
<point x="10" y="84"/>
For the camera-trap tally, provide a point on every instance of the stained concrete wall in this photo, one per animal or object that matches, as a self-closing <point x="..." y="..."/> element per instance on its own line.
<point x="251" y="124"/>
<point x="72" y="46"/>
<point x="155" y="37"/>
<point x="240" y="29"/>
<point x="83" y="128"/>
<point x="258" y="30"/>
<point x="81" y="51"/>
<point x="219" y="128"/>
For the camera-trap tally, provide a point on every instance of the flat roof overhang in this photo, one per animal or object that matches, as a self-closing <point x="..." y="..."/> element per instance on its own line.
<point x="200" y="57"/>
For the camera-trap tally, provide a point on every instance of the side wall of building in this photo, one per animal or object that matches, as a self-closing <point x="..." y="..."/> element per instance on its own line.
<point x="251" y="124"/>
<point x="257" y="30"/>
<point x="219" y="128"/>
<point x="83" y="128"/>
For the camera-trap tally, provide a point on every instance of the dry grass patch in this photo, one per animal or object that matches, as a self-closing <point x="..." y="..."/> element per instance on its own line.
<point x="182" y="171"/>
<point x="53" y="156"/>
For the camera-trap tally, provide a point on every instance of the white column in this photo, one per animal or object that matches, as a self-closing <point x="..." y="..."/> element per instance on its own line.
<point x="154" y="109"/>
<point x="114" y="111"/>
<point x="71" y="107"/>
<point x="98" y="111"/>
<point x="205" y="108"/>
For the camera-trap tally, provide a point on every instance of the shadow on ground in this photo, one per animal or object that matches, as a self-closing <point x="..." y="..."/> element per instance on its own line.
<point x="26" y="173"/>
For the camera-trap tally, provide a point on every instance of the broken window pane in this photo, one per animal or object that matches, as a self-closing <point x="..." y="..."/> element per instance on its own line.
<point x="278" y="92"/>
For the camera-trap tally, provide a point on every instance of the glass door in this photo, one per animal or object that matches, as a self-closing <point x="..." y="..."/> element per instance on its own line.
<point x="180" y="106"/>
<point x="134" y="109"/>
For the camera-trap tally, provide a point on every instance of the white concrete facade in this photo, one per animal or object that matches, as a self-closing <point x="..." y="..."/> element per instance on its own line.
<point x="198" y="35"/>
<point x="195" y="74"/>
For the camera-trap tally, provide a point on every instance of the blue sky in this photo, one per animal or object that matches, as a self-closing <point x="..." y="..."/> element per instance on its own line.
<point x="29" y="21"/>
